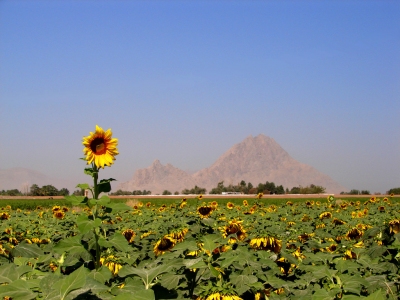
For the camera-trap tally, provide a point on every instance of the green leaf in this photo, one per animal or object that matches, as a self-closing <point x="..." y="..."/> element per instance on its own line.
<point x="91" y="285"/>
<point x="76" y="200"/>
<point x="208" y="222"/>
<point x="378" y="295"/>
<point x="170" y="281"/>
<point x="70" y="244"/>
<point x="228" y="260"/>
<point x="243" y="282"/>
<point x="102" y="275"/>
<point x="353" y="283"/>
<point x="147" y="275"/>
<point x="8" y="273"/>
<point x="85" y="224"/>
<point x="104" y="200"/>
<point x="376" y="251"/>
<point x="104" y="185"/>
<point x="27" y="250"/>
<point x="73" y="281"/>
<point x="117" y="241"/>
<point x="347" y="266"/>
<point x="322" y="295"/>
<point x="18" y="289"/>
<point x="83" y="186"/>
<point x="138" y="295"/>
<point x="209" y="242"/>
<point x="90" y="171"/>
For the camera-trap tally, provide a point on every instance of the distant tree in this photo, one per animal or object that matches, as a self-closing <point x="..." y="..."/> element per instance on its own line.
<point x="354" y="192"/>
<point x="35" y="190"/>
<point x="279" y="190"/>
<point x="63" y="192"/>
<point x="185" y="192"/>
<point x="270" y="186"/>
<point x="365" y="192"/>
<point x="176" y="193"/>
<point x="80" y="192"/>
<point x="253" y="191"/>
<point x="13" y="192"/>
<point x="295" y="190"/>
<point x="395" y="191"/>
<point x="120" y="192"/>
<point x="249" y="186"/>
<point x="219" y="189"/>
<point x="166" y="192"/>
<point x="311" y="189"/>
<point x="49" y="190"/>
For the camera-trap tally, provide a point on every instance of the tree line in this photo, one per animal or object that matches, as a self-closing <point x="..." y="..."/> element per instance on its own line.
<point x="35" y="190"/>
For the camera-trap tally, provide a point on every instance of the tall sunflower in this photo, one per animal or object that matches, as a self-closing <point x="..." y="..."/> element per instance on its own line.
<point x="100" y="147"/>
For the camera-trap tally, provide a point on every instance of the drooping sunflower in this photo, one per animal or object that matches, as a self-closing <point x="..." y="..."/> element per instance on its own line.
<point x="178" y="234"/>
<point x="205" y="211"/>
<point x="266" y="243"/>
<point x="112" y="263"/>
<point x="234" y="227"/>
<point x="4" y="216"/>
<point x="100" y="147"/>
<point x="394" y="226"/>
<point x="129" y="235"/>
<point x="219" y="296"/>
<point x="325" y="215"/>
<point x="337" y="221"/>
<point x="354" y="234"/>
<point x="166" y="243"/>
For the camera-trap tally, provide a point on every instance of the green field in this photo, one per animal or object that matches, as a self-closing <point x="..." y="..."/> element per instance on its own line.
<point x="205" y="249"/>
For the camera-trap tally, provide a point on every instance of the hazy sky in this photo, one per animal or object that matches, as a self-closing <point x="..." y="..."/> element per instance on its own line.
<point x="183" y="81"/>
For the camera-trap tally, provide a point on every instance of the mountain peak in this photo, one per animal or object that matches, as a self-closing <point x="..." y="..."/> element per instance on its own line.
<point x="256" y="159"/>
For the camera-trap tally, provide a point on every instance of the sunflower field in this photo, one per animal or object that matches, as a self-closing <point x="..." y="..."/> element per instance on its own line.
<point x="202" y="249"/>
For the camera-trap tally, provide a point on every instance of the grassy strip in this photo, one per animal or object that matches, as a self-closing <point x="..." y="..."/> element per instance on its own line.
<point x="192" y="200"/>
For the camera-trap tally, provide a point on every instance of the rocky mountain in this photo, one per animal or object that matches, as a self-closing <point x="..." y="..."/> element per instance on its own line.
<point x="255" y="159"/>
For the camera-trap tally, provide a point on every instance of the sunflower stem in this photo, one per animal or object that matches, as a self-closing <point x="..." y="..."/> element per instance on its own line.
<point x="96" y="196"/>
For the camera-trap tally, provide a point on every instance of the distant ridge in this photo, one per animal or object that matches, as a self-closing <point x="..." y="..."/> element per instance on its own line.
<point x="22" y="179"/>
<point x="256" y="160"/>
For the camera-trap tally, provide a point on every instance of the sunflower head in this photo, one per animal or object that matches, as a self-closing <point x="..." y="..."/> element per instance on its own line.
<point x="230" y="205"/>
<point x="129" y="235"/>
<point x="325" y="215"/>
<point x="394" y="226"/>
<point x="166" y="243"/>
<point x="100" y="147"/>
<point x="205" y="211"/>
<point x="354" y="234"/>
<point x="266" y="243"/>
<point x="59" y="214"/>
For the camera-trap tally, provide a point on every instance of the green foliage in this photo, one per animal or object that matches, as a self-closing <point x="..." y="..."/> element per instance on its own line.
<point x="194" y="191"/>
<point x="209" y="258"/>
<point x="394" y="191"/>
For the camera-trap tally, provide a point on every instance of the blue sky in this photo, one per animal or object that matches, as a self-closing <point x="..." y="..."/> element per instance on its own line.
<point x="183" y="81"/>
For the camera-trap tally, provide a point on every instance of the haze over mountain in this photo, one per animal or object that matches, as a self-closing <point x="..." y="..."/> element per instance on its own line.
<point x="256" y="160"/>
<point x="22" y="179"/>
